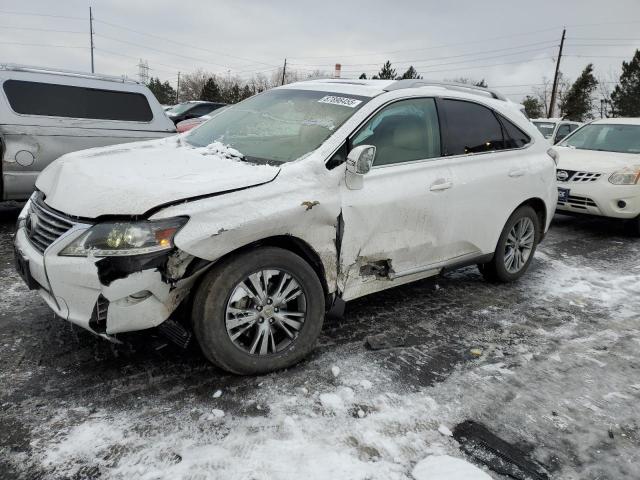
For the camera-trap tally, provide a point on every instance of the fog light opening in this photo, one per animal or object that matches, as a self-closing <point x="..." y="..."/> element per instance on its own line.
<point x="622" y="204"/>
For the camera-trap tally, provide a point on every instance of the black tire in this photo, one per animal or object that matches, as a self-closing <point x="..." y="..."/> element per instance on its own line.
<point x="212" y="296"/>
<point x="495" y="270"/>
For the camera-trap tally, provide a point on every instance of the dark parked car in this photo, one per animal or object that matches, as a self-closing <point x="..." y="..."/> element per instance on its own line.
<point x="193" y="109"/>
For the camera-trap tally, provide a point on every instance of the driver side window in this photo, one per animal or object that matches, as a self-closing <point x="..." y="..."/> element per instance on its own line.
<point x="404" y="131"/>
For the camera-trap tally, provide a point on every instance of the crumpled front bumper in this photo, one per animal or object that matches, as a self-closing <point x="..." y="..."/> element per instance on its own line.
<point x="131" y="300"/>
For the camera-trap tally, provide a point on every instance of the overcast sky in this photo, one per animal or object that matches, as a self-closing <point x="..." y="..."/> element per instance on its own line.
<point x="510" y="43"/>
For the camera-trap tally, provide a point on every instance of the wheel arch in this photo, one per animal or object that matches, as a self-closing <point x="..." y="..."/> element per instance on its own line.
<point x="540" y="208"/>
<point x="292" y="244"/>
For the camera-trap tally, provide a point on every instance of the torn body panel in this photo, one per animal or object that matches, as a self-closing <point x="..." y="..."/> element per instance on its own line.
<point x="138" y="292"/>
<point x="302" y="204"/>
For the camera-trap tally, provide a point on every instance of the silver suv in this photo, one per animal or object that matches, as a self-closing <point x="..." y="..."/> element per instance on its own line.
<point x="47" y="113"/>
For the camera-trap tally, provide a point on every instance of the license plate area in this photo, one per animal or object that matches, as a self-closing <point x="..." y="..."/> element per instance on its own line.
<point x="22" y="267"/>
<point x="563" y="195"/>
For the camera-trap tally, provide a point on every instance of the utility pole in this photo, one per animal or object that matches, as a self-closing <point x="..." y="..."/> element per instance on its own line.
<point x="284" y="70"/>
<point x="178" y="90"/>
<point x="554" y="90"/>
<point x="91" y="36"/>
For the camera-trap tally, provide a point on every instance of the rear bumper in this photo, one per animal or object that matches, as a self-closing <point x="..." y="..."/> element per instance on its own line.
<point x="602" y="199"/>
<point x="72" y="288"/>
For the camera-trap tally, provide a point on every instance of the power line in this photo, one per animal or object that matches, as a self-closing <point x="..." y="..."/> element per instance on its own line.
<point x="438" y="58"/>
<point x="41" y="45"/>
<point x="162" y="51"/>
<point x="433" y="47"/>
<point x="476" y="66"/>
<point x="10" y="27"/>
<point x="5" y="12"/>
<point x="182" y="44"/>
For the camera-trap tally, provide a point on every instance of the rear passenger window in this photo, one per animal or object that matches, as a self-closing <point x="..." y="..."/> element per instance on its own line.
<point x="404" y="131"/>
<point x="35" y="98"/>
<point x="514" y="137"/>
<point x="471" y="128"/>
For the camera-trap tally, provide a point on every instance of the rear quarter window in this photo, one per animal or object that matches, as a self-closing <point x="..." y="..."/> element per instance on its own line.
<point x="48" y="99"/>
<point x="514" y="137"/>
<point x="471" y="128"/>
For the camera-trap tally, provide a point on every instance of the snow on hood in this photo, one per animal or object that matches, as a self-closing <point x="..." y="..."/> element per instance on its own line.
<point x="133" y="178"/>
<point x="594" y="160"/>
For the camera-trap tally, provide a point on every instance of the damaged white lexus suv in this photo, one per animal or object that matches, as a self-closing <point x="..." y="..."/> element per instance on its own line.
<point x="248" y="229"/>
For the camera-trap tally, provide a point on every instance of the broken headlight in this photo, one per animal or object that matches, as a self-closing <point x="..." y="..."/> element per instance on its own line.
<point x="126" y="238"/>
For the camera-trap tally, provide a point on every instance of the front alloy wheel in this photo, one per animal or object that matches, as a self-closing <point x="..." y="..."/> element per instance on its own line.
<point x="265" y="312"/>
<point x="258" y="311"/>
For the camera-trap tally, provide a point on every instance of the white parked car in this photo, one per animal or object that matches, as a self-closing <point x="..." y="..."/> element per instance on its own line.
<point x="284" y="206"/>
<point x="46" y="113"/>
<point x="555" y="129"/>
<point x="599" y="170"/>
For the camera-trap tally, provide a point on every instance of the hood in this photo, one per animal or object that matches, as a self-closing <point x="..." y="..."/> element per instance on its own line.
<point x="133" y="178"/>
<point x="594" y="160"/>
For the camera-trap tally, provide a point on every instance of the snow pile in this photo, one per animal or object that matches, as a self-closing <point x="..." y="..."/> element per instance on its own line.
<point x="444" y="467"/>
<point x="346" y="431"/>
<point x="220" y="150"/>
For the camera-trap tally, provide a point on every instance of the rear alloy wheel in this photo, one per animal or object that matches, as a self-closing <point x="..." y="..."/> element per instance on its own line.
<point x="515" y="248"/>
<point x="259" y="311"/>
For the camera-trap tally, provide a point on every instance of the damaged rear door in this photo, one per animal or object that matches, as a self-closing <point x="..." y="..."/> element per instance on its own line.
<point x="396" y="227"/>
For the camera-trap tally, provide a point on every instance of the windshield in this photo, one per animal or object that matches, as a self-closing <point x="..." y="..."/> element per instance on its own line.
<point x="278" y="126"/>
<point x="606" y="137"/>
<point x="546" y="128"/>
<point x="180" y="108"/>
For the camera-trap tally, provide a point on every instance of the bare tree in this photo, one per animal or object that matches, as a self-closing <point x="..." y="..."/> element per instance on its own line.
<point x="191" y="84"/>
<point x="289" y="77"/>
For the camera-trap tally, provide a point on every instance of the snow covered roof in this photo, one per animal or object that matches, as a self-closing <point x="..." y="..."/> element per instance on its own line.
<point x="365" y="88"/>
<point x="619" y="121"/>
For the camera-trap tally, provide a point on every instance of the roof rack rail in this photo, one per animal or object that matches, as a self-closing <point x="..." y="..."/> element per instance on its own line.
<point x="462" y="87"/>
<point x="69" y="73"/>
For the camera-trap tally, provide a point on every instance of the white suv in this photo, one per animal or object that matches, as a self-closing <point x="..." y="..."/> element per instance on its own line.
<point x="599" y="170"/>
<point x="284" y="206"/>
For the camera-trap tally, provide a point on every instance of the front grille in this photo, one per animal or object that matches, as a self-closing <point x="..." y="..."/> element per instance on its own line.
<point x="44" y="225"/>
<point x="579" y="202"/>
<point x="576" y="176"/>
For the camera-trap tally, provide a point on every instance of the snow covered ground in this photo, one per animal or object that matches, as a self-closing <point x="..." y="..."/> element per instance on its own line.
<point x="549" y="364"/>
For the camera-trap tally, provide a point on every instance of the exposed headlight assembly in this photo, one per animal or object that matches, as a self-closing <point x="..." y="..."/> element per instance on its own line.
<point x="625" y="177"/>
<point x="126" y="238"/>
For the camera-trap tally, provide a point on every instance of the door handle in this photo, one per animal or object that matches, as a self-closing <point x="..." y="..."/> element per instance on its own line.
<point x="517" y="173"/>
<point x="441" y="184"/>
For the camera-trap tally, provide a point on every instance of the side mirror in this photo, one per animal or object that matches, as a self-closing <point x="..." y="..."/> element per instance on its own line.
<point x="360" y="159"/>
<point x="359" y="162"/>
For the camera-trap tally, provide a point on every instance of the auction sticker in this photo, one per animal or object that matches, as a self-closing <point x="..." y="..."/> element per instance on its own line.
<point x="344" y="101"/>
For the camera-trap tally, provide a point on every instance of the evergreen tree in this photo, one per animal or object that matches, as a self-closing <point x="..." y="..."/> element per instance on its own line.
<point x="164" y="92"/>
<point x="576" y="103"/>
<point x="482" y="83"/>
<point x="386" y="72"/>
<point x="533" y="107"/>
<point x="233" y="95"/>
<point x="410" y="73"/>
<point x="246" y="92"/>
<point x="211" y="91"/>
<point x="625" y="98"/>
<point x="363" y="76"/>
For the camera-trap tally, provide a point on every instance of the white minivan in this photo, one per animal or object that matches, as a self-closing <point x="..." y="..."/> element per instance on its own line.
<point x="47" y="113"/>
<point x="249" y="228"/>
